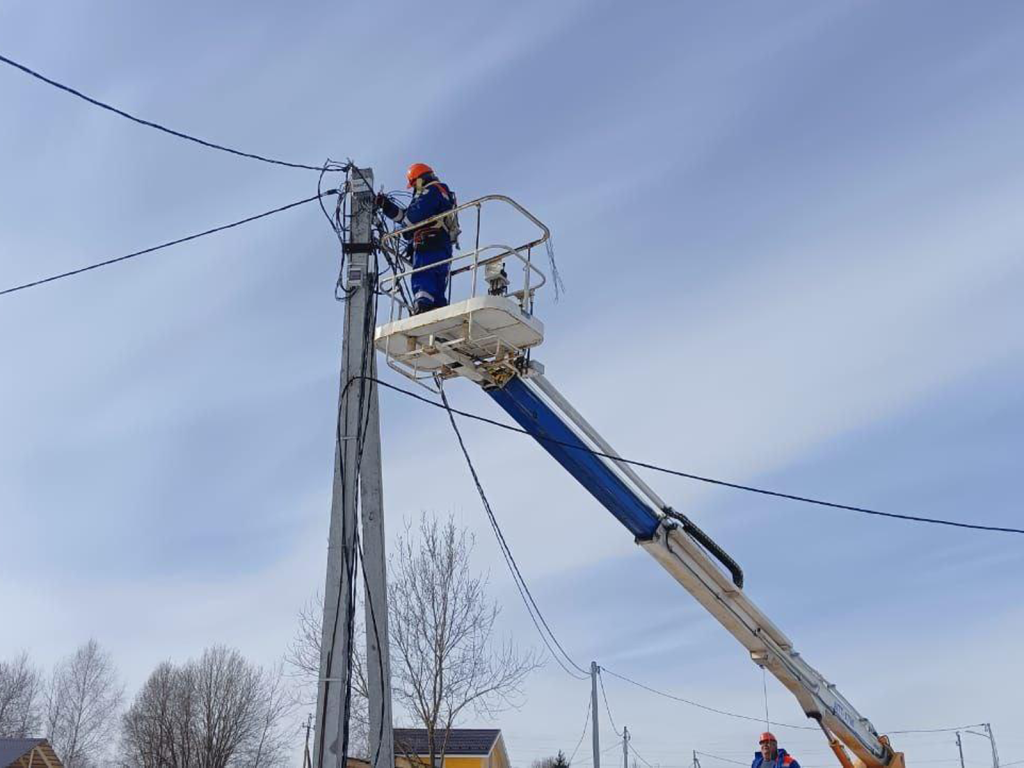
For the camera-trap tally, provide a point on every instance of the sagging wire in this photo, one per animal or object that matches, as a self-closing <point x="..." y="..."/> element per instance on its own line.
<point x="546" y="634"/>
<point x="586" y="724"/>
<point x="764" y="686"/>
<point x="704" y="478"/>
<point x="705" y="707"/>
<point x="150" y="123"/>
<point x="153" y="249"/>
<point x="637" y="754"/>
<point x="607" y="708"/>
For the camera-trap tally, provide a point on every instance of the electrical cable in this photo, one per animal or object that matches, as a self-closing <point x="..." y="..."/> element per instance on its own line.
<point x="613" y="746"/>
<point x="641" y="757"/>
<point x="704" y="706"/>
<point x="606" y="707"/>
<point x="517" y="577"/>
<point x="586" y="724"/>
<point x="941" y="730"/>
<point x="179" y="241"/>
<point x="514" y="568"/>
<point x="382" y="228"/>
<point x="723" y="759"/>
<point x="764" y="686"/>
<point x="150" y="124"/>
<point x="704" y="479"/>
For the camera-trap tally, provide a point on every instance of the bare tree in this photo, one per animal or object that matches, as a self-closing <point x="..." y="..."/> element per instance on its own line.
<point x="82" y="702"/>
<point x="20" y="688"/>
<point x="220" y="711"/>
<point x="444" y="657"/>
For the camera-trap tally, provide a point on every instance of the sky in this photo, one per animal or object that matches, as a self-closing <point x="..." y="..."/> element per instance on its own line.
<point x="791" y="241"/>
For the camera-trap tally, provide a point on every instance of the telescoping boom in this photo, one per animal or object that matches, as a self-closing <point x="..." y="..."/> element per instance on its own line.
<point x="488" y="339"/>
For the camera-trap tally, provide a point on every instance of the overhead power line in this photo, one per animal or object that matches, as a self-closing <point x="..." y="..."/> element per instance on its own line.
<point x="565" y="661"/>
<point x="706" y="708"/>
<point x="586" y="723"/>
<point x="717" y="757"/>
<point x="710" y="480"/>
<point x="179" y="241"/>
<point x="637" y="754"/>
<point x="149" y="123"/>
<point x="607" y="708"/>
<point x="941" y="730"/>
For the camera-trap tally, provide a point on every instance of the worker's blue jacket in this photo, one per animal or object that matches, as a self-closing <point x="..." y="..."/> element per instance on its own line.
<point x="434" y="199"/>
<point x="431" y="243"/>
<point x="784" y="760"/>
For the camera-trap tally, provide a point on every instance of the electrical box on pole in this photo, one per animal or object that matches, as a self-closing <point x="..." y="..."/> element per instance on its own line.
<point x="356" y="467"/>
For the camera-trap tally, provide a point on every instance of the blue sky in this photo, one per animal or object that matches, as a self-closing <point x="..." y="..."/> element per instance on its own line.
<point x="792" y="245"/>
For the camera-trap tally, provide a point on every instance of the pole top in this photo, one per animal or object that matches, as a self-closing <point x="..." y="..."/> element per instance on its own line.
<point x="360" y="180"/>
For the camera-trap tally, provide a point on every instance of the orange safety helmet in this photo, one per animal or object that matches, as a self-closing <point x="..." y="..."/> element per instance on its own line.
<point x="767" y="736"/>
<point x="415" y="171"/>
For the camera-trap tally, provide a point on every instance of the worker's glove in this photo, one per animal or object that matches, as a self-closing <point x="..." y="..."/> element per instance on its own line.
<point x="389" y="208"/>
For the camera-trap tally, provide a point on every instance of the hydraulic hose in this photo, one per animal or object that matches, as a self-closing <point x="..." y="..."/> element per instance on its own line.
<point x="695" y="533"/>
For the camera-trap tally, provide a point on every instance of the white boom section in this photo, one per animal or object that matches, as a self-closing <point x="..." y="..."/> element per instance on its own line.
<point x="691" y="566"/>
<point x="682" y="557"/>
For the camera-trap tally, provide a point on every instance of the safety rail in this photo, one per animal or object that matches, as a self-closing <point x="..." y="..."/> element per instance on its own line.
<point x="484" y="333"/>
<point x="391" y="284"/>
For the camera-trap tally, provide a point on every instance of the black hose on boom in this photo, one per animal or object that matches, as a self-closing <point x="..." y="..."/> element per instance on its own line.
<point x="709" y="544"/>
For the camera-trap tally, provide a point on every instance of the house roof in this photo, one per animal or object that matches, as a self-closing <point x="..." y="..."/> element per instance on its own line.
<point x="12" y="750"/>
<point x="461" y="741"/>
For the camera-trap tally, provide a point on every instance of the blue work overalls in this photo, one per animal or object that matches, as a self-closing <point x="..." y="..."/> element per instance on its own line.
<point x="430" y="245"/>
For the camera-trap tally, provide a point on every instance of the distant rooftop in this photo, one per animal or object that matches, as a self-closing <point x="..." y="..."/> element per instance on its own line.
<point x="13" y="750"/>
<point x="461" y="741"/>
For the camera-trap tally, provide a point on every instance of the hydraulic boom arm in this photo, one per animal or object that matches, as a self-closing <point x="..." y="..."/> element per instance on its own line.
<point x="687" y="554"/>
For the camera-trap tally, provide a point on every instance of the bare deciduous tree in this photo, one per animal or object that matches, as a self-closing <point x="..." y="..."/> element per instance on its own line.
<point x="220" y="711"/>
<point x="444" y="658"/>
<point x="82" y="702"/>
<point x="20" y="688"/>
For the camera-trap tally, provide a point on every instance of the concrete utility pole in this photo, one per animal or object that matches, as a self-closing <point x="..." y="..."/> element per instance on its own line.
<point x="625" y="747"/>
<point x="356" y="465"/>
<point x="992" y="738"/>
<point x="960" y="747"/>
<point x="594" y="669"/>
<point x="992" y="741"/>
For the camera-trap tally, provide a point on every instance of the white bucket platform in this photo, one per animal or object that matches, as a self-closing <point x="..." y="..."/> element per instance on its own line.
<point x="485" y="337"/>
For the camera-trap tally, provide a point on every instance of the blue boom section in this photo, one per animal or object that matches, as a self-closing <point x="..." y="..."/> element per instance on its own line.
<point x="555" y="436"/>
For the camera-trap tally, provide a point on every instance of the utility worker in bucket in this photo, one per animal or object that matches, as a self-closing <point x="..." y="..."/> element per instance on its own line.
<point x="430" y="243"/>
<point x="771" y="756"/>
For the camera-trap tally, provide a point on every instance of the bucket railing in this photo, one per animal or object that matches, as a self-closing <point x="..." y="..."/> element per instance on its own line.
<point x="471" y="261"/>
